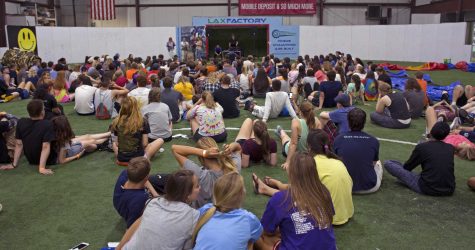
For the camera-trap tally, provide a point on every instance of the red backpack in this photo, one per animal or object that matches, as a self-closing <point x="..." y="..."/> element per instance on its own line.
<point x="102" y="113"/>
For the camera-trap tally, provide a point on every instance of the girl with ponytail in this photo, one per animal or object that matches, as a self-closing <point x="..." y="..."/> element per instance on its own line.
<point x="213" y="164"/>
<point x="225" y="214"/>
<point x="206" y="119"/>
<point x="297" y="142"/>
<point x="333" y="174"/>
<point x="256" y="144"/>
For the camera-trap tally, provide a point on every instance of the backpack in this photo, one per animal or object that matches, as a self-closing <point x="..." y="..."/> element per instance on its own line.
<point x="102" y="113"/>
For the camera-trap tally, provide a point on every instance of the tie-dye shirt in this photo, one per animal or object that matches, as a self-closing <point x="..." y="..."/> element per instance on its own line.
<point x="210" y="120"/>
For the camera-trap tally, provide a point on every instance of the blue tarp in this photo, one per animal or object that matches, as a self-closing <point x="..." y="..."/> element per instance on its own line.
<point x="401" y="73"/>
<point x="434" y="92"/>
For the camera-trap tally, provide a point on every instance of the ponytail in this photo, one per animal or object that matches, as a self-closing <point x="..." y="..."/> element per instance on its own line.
<point x="225" y="161"/>
<point x="319" y="144"/>
<point x="208" y="100"/>
<point x="356" y="79"/>
<point x="306" y="108"/>
<point x="260" y="131"/>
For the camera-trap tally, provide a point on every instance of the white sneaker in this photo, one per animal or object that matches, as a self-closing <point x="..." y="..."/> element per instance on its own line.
<point x="455" y="124"/>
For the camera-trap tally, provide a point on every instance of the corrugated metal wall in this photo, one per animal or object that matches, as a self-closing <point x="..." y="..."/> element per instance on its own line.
<point x="182" y="16"/>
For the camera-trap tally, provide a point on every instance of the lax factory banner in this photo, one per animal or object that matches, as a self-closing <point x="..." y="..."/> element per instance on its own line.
<point x="277" y="7"/>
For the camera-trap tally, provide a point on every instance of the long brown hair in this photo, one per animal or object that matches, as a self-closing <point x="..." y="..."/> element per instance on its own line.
<point x="307" y="192"/>
<point x="260" y="131"/>
<point x="63" y="131"/>
<point x="130" y="118"/>
<point x="225" y="162"/>
<point x="319" y="144"/>
<point x="306" y="108"/>
<point x="60" y="81"/>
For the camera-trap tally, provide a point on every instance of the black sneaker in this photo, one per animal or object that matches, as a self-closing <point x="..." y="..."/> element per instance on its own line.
<point x="445" y="97"/>
<point x="248" y="106"/>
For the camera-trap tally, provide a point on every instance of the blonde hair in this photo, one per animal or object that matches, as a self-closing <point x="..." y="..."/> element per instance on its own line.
<point x="213" y="78"/>
<point x="224" y="161"/>
<point x="465" y="151"/>
<point x="228" y="194"/>
<point x="130" y="118"/>
<point x="245" y="69"/>
<point x="384" y="88"/>
<point x="208" y="100"/>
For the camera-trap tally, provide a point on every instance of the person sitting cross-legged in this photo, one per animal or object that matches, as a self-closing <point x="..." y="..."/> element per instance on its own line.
<point x="437" y="161"/>
<point x="360" y="153"/>
<point x="276" y="102"/>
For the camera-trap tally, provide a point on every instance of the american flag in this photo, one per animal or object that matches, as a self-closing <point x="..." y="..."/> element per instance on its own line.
<point x="102" y="9"/>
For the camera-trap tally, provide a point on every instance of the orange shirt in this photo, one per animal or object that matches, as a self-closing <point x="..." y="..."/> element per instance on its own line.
<point x="211" y="68"/>
<point x="423" y="85"/>
<point x="130" y="73"/>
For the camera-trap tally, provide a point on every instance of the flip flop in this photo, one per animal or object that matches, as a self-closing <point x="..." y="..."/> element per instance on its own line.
<point x="266" y="181"/>
<point x="255" y="183"/>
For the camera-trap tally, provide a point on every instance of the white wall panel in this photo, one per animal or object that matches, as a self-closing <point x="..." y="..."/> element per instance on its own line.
<point x="359" y="46"/>
<point x="76" y="43"/>
<point x="416" y="43"/>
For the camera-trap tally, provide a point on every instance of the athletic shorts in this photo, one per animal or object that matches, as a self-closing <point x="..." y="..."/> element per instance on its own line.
<point x="75" y="149"/>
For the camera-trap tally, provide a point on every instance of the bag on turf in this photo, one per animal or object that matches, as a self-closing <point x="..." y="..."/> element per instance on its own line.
<point x="102" y="113"/>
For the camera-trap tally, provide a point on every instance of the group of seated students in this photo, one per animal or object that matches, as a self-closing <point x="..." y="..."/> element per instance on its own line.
<point x="328" y="156"/>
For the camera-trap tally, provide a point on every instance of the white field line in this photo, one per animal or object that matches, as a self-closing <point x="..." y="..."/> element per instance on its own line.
<point x="288" y="131"/>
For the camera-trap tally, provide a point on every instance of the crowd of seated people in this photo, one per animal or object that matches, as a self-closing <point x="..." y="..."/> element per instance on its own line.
<point x="328" y="155"/>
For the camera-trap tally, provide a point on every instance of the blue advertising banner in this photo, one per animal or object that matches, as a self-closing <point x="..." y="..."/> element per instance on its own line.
<point x="283" y="41"/>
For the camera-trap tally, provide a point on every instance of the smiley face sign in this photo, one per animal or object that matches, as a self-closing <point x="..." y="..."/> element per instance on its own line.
<point x="22" y="37"/>
<point x="26" y="40"/>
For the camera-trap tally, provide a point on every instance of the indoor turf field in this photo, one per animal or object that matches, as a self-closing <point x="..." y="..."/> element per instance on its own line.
<point x="75" y="204"/>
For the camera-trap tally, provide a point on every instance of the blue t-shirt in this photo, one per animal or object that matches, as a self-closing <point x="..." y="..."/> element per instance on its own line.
<point x="129" y="203"/>
<point x="340" y="118"/>
<point x="358" y="151"/>
<point x="298" y="231"/>
<point x="469" y="135"/>
<point x="232" y="230"/>
<point x="331" y="90"/>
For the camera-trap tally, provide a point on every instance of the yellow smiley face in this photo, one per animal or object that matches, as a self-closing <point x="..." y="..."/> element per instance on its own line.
<point x="26" y="40"/>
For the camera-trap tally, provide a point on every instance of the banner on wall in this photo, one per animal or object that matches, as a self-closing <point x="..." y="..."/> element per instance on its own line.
<point x="277" y="7"/>
<point x="22" y="37"/>
<point x="283" y="41"/>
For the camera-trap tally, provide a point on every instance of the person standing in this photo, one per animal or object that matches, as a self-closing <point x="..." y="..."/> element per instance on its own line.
<point x="171" y="47"/>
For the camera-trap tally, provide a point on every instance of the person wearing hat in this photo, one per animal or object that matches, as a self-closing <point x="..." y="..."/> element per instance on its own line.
<point x="392" y="109"/>
<point x="437" y="162"/>
<point x="339" y="116"/>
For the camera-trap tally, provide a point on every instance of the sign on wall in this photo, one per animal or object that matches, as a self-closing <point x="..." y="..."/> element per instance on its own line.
<point x="283" y="40"/>
<point x="277" y="7"/>
<point x="22" y="37"/>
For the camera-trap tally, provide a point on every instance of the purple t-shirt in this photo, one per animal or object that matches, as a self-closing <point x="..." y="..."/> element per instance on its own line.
<point x="298" y="231"/>
<point x="340" y="118"/>
<point x="255" y="151"/>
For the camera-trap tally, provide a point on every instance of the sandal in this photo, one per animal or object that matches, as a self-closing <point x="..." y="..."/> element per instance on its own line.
<point x="255" y="183"/>
<point x="267" y="182"/>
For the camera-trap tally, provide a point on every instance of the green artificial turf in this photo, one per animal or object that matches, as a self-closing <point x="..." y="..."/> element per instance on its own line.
<point x="75" y="204"/>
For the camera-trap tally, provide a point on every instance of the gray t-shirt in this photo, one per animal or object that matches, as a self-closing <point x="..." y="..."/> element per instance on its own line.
<point x="166" y="225"/>
<point x="208" y="178"/>
<point x="416" y="102"/>
<point x="158" y="116"/>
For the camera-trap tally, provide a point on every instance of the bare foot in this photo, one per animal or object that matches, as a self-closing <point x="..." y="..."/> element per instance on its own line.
<point x="6" y="167"/>
<point x="269" y="181"/>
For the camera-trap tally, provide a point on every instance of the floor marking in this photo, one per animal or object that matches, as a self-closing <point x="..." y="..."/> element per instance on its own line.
<point x="288" y="131"/>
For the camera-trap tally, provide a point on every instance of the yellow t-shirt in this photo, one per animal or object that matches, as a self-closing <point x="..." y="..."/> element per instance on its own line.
<point x="337" y="180"/>
<point x="185" y="89"/>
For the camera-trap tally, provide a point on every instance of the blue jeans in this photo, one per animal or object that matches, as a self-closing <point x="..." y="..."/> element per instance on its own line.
<point x="408" y="178"/>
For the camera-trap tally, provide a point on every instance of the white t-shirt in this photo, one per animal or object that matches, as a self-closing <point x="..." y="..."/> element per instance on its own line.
<point x="177" y="76"/>
<point x="84" y="99"/>
<point x="141" y="94"/>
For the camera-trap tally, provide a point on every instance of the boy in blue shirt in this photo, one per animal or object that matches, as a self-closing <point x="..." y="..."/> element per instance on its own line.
<point x="130" y="193"/>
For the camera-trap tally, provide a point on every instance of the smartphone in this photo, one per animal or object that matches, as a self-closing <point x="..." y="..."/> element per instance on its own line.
<point x="80" y="246"/>
<point x="290" y="95"/>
